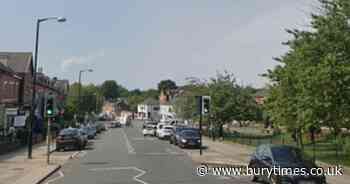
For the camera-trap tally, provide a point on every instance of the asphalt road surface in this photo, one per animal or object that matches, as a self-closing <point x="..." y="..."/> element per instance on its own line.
<point x="124" y="156"/>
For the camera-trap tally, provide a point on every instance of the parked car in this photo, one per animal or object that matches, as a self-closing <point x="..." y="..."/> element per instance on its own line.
<point x="84" y="136"/>
<point x="189" y="138"/>
<point x="159" y="127"/>
<point x="174" y="136"/>
<point x="165" y="132"/>
<point x="148" y="130"/>
<point x="70" y="138"/>
<point x="148" y="122"/>
<point x="100" y="127"/>
<point x="283" y="156"/>
<point x="90" y="131"/>
<point x="114" y="124"/>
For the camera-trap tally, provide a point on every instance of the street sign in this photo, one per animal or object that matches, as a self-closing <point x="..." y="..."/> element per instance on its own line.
<point x="20" y="121"/>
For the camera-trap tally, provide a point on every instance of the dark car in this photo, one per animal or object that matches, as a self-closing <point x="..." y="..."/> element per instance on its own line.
<point x="100" y="127"/>
<point x="283" y="156"/>
<point x="189" y="138"/>
<point x="174" y="137"/>
<point x="70" y="138"/>
<point x="116" y="124"/>
<point x="175" y="134"/>
<point x="90" y="132"/>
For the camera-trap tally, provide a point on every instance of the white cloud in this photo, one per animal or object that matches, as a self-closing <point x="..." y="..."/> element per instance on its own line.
<point x="80" y="60"/>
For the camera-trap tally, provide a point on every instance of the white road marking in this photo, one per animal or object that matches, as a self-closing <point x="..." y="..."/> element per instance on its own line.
<point x="136" y="178"/>
<point x="131" y="150"/>
<point x="82" y="153"/>
<point x="74" y="154"/>
<point x="61" y="175"/>
<point x="172" y="152"/>
<point x="78" y="154"/>
<point x="161" y="154"/>
<point x="143" y="139"/>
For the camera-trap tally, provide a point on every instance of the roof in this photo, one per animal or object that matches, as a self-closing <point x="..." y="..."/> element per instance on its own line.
<point x="5" y="68"/>
<point x="19" y="62"/>
<point x="150" y="101"/>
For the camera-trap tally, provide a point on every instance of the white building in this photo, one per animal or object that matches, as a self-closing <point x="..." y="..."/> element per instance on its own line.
<point x="149" y="109"/>
<point x="166" y="112"/>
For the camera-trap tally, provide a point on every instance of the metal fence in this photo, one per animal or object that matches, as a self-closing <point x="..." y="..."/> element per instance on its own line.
<point x="327" y="149"/>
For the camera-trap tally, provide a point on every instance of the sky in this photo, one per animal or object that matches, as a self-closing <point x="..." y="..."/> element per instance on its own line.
<point x="140" y="42"/>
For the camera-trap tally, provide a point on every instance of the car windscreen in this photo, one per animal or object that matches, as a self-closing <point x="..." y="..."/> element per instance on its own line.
<point x="190" y="133"/>
<point x="286" y="154"/>
<point x="69" y="132"/>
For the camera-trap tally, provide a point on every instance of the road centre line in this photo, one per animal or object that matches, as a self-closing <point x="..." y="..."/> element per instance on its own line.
<point x="131" y="150"/>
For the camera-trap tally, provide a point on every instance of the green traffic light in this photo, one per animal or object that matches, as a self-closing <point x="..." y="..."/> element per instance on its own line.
<point x="49" y="112"/>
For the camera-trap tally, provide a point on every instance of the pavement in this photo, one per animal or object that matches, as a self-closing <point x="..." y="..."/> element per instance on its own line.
<point x="15" y="168"/>
<point x="125" y="156"/>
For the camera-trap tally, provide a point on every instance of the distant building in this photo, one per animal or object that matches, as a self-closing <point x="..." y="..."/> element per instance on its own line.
<point x="148" y="109"/>
<point x="260" y="96"/>
<point x="166" y="100"/>
<point x="116" y="108"/>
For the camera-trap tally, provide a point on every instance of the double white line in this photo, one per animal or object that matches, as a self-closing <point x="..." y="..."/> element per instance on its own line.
<point x="131" y="149"/>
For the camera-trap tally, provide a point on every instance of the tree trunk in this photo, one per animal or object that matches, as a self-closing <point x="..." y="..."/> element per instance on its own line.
<point x="336" y="144"/>
<point x="300" y="133"/>
<point x="221" y="131"/>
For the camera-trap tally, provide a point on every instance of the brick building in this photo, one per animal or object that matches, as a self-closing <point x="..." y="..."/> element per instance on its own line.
<point x="10" y="85"/>
<point x="21" y="63"/>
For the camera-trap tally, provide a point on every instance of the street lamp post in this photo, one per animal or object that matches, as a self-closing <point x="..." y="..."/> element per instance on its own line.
<point x="30" y="135"/>
<point x="79" y="87"/>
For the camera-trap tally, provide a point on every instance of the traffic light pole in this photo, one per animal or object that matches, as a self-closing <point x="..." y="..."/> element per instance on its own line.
<point x="200" y="125"/>
<point x="48" y="139"/>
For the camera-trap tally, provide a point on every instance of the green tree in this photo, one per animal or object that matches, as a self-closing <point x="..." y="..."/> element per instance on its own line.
<point x="224" y="92"/>
<point x="110" y="89"/>
<point x="166" y="85"/>
<point x="310" y="86"/>
<point x="185" y="105"/>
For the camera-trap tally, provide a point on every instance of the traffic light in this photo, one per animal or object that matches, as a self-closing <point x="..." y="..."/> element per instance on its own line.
<point x="50" y="106"/>
<point x="205" y="105"/>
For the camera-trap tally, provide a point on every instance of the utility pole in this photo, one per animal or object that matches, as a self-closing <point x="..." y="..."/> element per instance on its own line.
<point x="203" y="108"/>
<point x="48" y="140"/>
<point x="200" y="124"/>
<point x="32" y="117"/>
<point x="50" y="113"/>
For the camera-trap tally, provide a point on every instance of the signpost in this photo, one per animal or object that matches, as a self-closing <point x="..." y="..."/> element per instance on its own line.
<point x="203" y="109"/>
<point x="49" y="113"/>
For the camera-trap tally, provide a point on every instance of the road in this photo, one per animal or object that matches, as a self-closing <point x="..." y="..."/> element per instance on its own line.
<point x="124" y="156"/>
